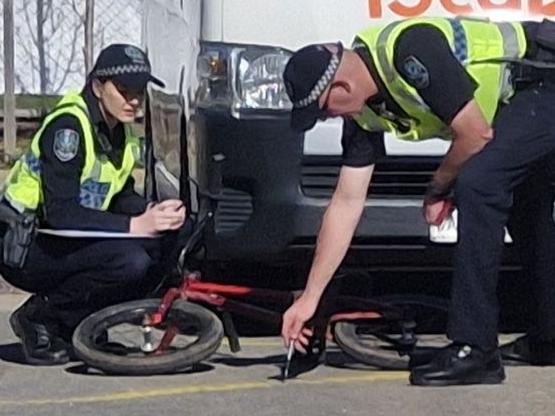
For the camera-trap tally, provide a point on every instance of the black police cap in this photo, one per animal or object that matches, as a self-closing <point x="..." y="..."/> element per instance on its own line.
<point x="307" y="74"/>
<point x="126" y="65"/>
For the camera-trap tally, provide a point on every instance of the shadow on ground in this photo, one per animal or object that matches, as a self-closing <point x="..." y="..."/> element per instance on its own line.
<point x="85" y="370"/>
<point x="12" y="353"/>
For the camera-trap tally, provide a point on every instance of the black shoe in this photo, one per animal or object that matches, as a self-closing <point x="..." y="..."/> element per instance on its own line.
<point x="422" y="356"/>
<point x="528" y="350"/>
<point x="41" y="346"/>
<point x="459" y="365"/>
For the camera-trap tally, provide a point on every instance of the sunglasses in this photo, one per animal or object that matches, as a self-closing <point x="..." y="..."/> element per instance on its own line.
<point x="128" y="93"/>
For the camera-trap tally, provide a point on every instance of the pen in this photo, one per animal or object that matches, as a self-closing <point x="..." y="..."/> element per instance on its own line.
<point x="290" y="352"/>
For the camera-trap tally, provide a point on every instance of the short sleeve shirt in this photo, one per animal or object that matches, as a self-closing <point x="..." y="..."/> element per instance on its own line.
<point x="441" y="81"/>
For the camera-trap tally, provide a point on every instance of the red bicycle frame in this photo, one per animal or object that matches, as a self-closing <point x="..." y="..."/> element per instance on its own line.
<point x="223" y="298"/>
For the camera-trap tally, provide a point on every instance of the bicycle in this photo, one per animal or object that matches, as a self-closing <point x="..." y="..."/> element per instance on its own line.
<point x="156" y="336"/>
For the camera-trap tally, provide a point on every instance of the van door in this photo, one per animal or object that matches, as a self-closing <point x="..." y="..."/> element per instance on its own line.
<point x="170" y="29"/>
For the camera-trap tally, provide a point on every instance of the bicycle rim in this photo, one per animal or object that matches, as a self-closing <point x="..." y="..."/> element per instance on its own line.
<point x="198" y="334"/>
<point x="380" y="342"/>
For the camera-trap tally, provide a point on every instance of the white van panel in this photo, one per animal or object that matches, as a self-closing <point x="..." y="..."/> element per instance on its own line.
<point x="172" y="30"/>
<point x="324" y="139"/>
<point x="213" y="20"/>
<point x="294" y="23"/>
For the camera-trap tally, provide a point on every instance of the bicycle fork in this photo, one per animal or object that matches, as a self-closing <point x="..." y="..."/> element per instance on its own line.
<point x="151" y="320"/>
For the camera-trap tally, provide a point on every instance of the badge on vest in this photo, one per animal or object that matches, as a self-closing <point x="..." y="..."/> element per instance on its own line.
<point x="416" y="73"/>
<point x="66" y="144"/>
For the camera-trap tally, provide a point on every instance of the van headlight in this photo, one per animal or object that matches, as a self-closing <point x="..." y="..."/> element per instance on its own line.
<point x="259" y="80"/>
<point x="248" y="79"/>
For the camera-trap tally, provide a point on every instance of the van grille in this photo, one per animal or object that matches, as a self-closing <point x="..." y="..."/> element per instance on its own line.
<point x="233" y="210"/>
<point x="393" y="177"/>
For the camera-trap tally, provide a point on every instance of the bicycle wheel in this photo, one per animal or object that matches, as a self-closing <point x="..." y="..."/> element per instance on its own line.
<point x="386" y="343"/>
<point x="199" y="334"/>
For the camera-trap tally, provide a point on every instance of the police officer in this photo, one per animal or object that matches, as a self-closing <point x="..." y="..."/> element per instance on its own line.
<point x="434" y="77"/>
<point x="77" y="175"/>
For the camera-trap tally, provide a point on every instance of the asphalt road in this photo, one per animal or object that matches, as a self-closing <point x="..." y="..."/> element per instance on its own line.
<point x="244" y="384"/>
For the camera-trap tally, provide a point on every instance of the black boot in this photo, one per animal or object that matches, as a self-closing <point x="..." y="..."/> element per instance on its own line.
<point x="458" y="365"/>
<point x="41" y="345"/>
<point x="422" y="356"/>
<point x="528" y="350"/>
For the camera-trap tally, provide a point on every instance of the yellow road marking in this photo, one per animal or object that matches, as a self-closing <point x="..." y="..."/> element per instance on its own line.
<point x="255" y="343"/>
<point x="210" y="388"/>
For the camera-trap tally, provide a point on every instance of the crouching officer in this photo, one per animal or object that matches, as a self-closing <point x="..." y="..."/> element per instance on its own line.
<point x="77" y="175"/>
<point x="437" y="77"/>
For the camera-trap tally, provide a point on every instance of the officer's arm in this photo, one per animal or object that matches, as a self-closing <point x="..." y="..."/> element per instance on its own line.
<point x="339" y="224"/>
<point x="127" y="201"/>
<point x="361" y="149"/>
<point x="61" y="168"/>
<point x="446" y="87"/>
<point x="471" y="132"/>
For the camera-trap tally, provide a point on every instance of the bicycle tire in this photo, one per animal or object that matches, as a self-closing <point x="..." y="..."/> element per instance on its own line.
<point x="210" y="334"/>
<point x="380" y="350"/>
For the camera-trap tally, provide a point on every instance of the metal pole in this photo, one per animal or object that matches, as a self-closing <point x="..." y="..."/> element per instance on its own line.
<point x="10" y="131"/>
<point x="41" y="46"/>
<point x="89" y="32"/>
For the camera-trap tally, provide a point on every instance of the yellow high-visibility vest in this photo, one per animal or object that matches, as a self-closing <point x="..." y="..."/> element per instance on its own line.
<point x="483" y="48"/>
<point x="100" y="179"/>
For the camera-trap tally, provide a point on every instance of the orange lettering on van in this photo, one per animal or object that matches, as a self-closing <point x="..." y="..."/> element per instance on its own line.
<point x="375" y="8"/>
<point x="410" y="11"/>
<point x="538" y="7"/>
<point x="451" y="7"/>
<point x="456" y="7"/>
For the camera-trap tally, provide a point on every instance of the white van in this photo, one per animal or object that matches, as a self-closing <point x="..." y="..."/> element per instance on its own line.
<point x="221" y="133"/>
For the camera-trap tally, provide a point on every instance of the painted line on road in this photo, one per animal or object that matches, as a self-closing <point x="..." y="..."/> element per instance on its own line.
<point x="255" y="343"/>
<point x="210" y="388"/>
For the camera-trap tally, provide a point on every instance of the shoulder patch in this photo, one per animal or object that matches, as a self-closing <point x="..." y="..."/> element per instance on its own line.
<point x="66" y="144"/>
<point x="416" y="73"/>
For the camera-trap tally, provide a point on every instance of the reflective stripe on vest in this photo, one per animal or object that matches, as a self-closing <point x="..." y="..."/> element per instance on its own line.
<point x="483" y="48"/>
<point x="99" y="181"/>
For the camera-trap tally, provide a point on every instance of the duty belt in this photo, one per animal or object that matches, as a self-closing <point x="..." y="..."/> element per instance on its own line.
<point x="526" y="73"/>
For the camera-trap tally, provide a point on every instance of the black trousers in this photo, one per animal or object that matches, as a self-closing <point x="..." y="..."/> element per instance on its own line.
<point x="508" y="183"/>
<point x="80" y="276"/>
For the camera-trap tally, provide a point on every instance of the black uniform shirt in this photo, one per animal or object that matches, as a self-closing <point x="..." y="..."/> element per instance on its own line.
<point x="424" y="59"/>
<point x="61" y="175"/>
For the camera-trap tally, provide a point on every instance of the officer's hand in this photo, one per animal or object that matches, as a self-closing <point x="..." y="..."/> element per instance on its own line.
<point x="294" y="320"/>
<point x="163" y="216"/>
<point x="175" y="211"/>
<point x="169" y="215"/>
<point x="436" y="211"/>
